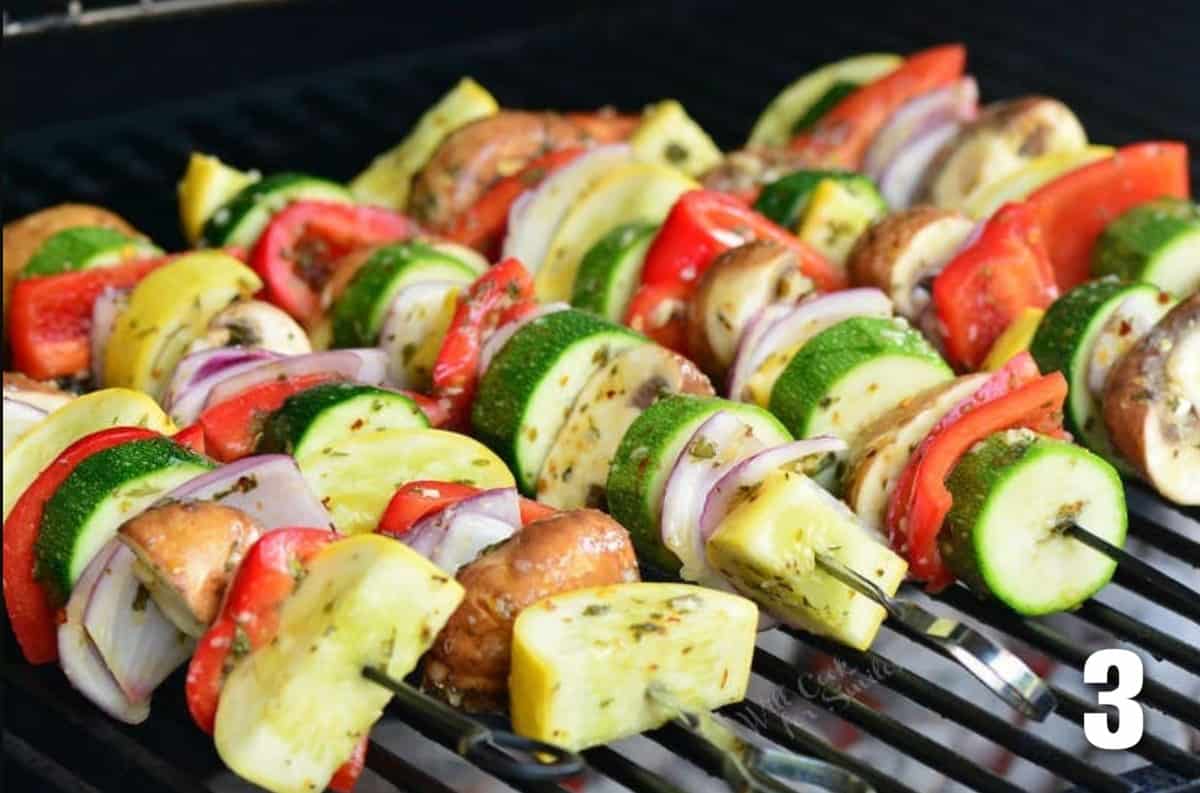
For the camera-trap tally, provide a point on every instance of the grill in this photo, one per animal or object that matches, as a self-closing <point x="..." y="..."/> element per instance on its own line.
<point x="330" y="121"/>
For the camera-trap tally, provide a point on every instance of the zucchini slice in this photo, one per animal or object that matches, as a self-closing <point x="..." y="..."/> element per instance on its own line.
<point x="1003" y="536"/>
<point x="207" y="184"/>
<point x="1157" y="242"/>
<point x="526" y="395"/>
<point x="311" y="420"/>
<point x="241" y="220"/>
<point x="766" y="547"/>
<point x="104" y="491"/>
<point x="801" y="104"/>
<point x="786" y="200"/>
<point x="611" y="270"/>
<point x="852" y="373"/>
<point x="293" y="711"/>
<point x="85" y="247"/>
<point x="647" y="453"/>
<point x="359" y="313"/>
<point x="586" y="664"/>
<point x="355" y="475"/>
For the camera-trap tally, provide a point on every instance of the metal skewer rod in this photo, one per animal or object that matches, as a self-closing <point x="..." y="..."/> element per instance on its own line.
<point x="1165" y="590"/>
<point x="484" y="746"/>
<point x="997" y="668"/>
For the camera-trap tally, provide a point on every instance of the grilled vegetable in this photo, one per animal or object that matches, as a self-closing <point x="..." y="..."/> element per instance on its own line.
<point x="469" y="662"/>
<point x="575" y="473"/>
<point x="100" y="494"/>
<point x="738" y="285"/>
<point x="207" y="185"/>
<point x="168" y="310"/>
<point x="1018" y="184"/>
<point x="387" y="181"/>
<point x="274" y="724"/>
<point x="186" y="552"/>
<point x="884" y="446"/>
<point x="1013" y="495"/>
<point x="583" y="661"/>
<point x="766" y="546"/>
<point x="668" y="136"/>
<point x="837" y="215"/>
<point x="1158" y="241"/>
<point x="527" y="392"/>
<point x="241" y="219"/>
<point x="1094" y="325"/>
<point x="86" y="247"/>
<point x="799" y="106"/>
<point x="903" y="252"/>
<point x="254" y="323"/>
<point x="611" y="270"/>
<point x="848" y="375"/>
<point x="1004" y="137"/>
<point x="1152" y="404"/>
<point x="637" y="479"/>
<point x="322" y="415"/>
<point x="1015" y="339"/>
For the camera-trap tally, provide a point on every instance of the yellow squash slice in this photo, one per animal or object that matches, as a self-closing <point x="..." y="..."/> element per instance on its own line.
<point x="207" y="185"/>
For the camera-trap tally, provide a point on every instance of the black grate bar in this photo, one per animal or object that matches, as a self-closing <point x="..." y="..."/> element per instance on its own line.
<point x="1161" y="524"/>
<point x="951" y="706"/>
<point x="1151" y="747"/>
<point x="1050" y="641"/>
<point x="47" y="770"/>
<point x="1170" y="595"/>
<point x="401" y="773"/>
<point x="626" y="772"/>
<point x="1159" y="644"/>
<point x="932" y="754"/>
<point x="792" y="736"/>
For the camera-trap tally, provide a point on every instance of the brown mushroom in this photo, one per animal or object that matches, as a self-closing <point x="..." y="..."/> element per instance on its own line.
<point x="469" y="661"/>
<point x="738" y="284"/>
<point x="1152" y="404"/>
<point x="186" y="553"/>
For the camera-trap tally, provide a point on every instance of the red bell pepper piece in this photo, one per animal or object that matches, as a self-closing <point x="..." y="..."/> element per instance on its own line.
<point x="416" y="500"/>
<point x="483" y="225"/>
<point x="191" y="436"/>
<point x="50" y="316"/>
<point x="346" y="777"/>
<point x="989" y="283"/>
<point x="232" y="427"/>
<point x="456" y="371"/>
<point x="300" y="247"/>
<point x="1074" y="208"/>
<point x="30" y="611"/>
<point x="1015" y="396"/>
<point x="705" y="223"/>
<point x="840" y="138"/>
<point x="249" y="620"/>
<point x="660" y="312"/>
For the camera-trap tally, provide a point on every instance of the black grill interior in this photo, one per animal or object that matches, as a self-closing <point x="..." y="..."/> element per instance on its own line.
<point x="109" y="116"/>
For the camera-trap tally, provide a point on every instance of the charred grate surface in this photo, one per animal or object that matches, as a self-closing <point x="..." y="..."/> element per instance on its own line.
<point x="332" y="120"/>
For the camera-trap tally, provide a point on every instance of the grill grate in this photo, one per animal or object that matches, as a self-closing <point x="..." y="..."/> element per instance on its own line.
<point x="330" y="122"/>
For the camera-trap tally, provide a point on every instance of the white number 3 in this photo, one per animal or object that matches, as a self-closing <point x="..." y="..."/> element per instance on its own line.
<point x="1129" y="713"/>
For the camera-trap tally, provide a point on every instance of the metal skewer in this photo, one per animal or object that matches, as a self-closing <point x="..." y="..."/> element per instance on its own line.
<point x="484" y="746"/>
<point x="997" y="668"/>
<point x="747" y="768"/>
<point x="1166" y="590"/>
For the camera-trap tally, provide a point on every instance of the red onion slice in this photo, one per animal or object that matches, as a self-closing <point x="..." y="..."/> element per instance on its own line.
<point x="406" y="325"/>
<point x="751" y="335"/>
<point x="455" y="536"/>
<point x="105" y="310"/>
<point x="19" y="417"/>
<point x="902" y="176"/>
<point x="713" y="449"/>
<point x="502" y="334"/>
<point x="367" y="366"/>
<point x="536" y="214"/>
<point x="198" y="373"/>
<point x="139" y="645"/>
<point x="957" y="102"/>
<point x="82" y="662"/>
<point x="754" y="469"/>
<point x="267" y="487"/>
<point x="803" y="321"/>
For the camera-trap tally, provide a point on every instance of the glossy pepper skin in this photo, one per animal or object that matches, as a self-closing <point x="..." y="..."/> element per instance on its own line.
<point x="988" y="285"/>
<point x="416" y="500"/>
<point x="505" y="287"/>
<point x="840" y="137"/>
<point x="298" y="251"/>
<point x="30" y="612"/>
<point x="1076" y="207"/>
<point x="249" y="620"/>
<point x="1016" y="396"/>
